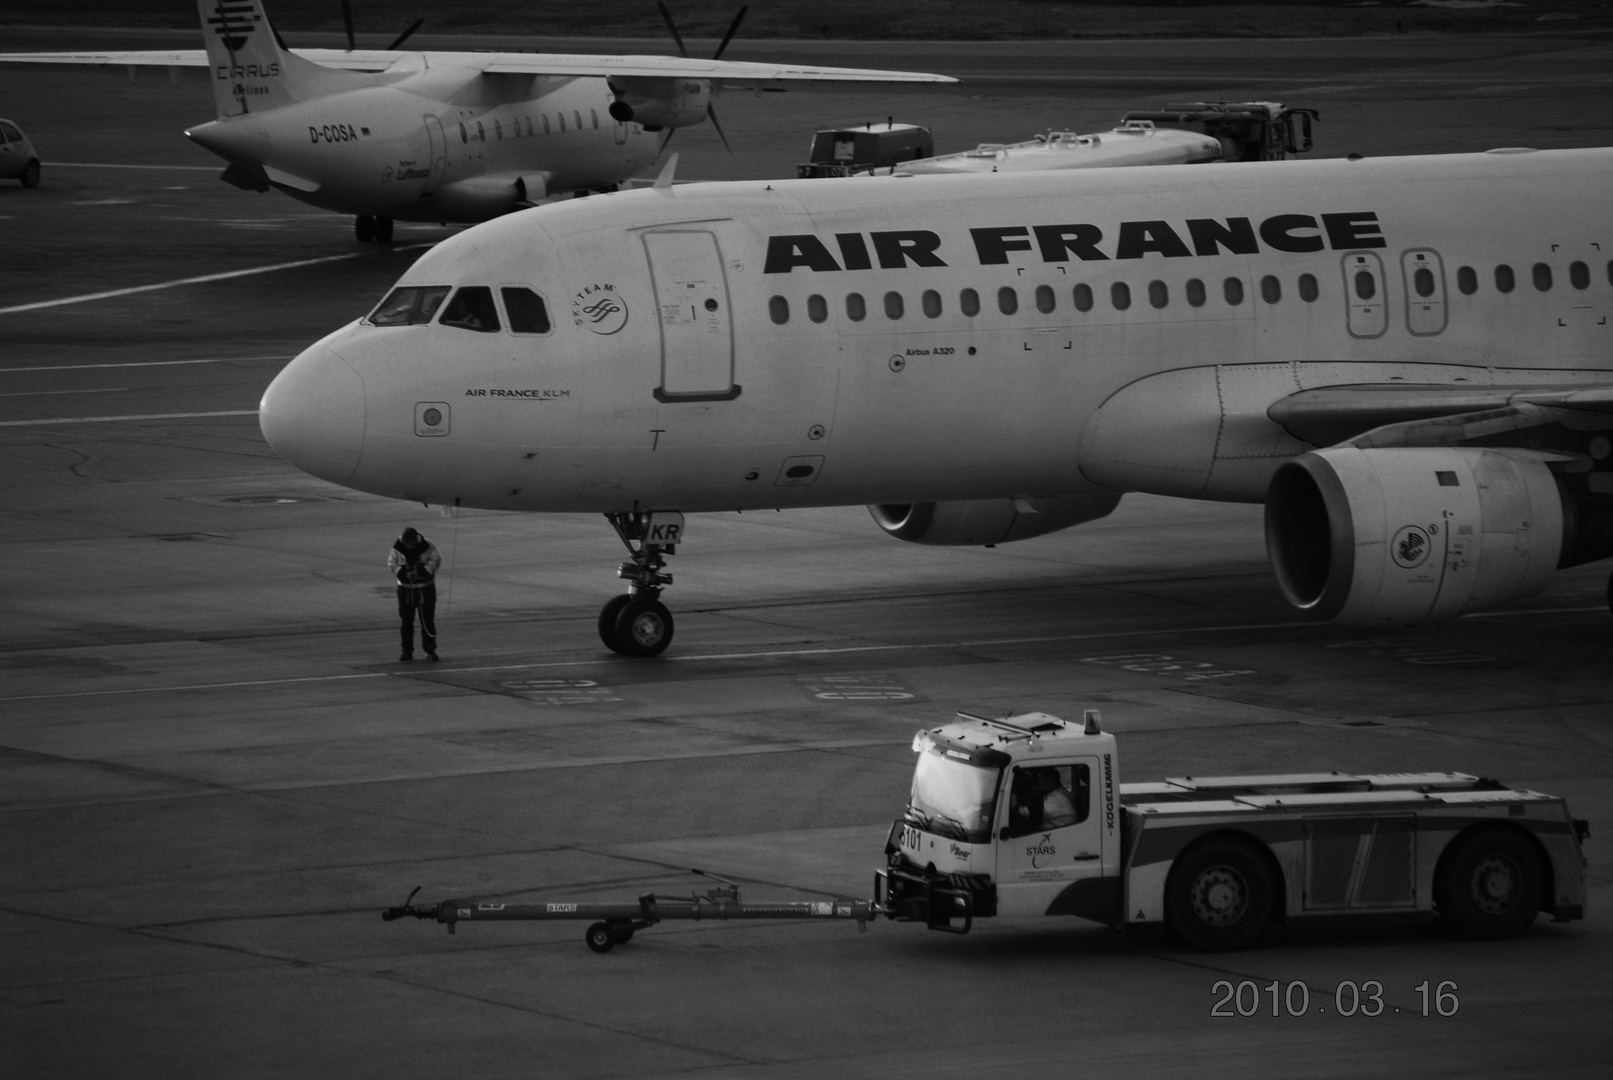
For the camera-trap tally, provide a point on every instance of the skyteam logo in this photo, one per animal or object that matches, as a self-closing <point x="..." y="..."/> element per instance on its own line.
<point x="600" y="308"/>
<point x="233" y="21"/>
<point x="1410" y="547"/>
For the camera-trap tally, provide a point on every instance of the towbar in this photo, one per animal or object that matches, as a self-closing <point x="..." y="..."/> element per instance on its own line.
<point x="614" y="923"/>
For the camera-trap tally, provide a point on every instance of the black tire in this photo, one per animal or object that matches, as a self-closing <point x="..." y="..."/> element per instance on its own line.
<point x="643" y="628"/>
<point x="364" y="228"/>
<point x="383" y="230"/>
<point x="1220" y="895"/>
<point x="30" y="174"/>
<point x="599" y="938"/>
<point x="1492" y="883"/>
<point x="607" y="620"/>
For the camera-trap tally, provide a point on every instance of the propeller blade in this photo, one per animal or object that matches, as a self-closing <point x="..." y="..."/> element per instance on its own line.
<point x="397" y="42"/>
<point x="672" y="26"/>
<point x="712" y="112"/>
<point x="726" y="38"/>
<point x="347" y="21"/>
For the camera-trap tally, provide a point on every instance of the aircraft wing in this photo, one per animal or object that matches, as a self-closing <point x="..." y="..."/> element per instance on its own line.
<point x="559" y="64"/>
<point x="1411" y="415"/>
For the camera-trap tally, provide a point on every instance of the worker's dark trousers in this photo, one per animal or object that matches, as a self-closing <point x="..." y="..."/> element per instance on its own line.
<point x="425" y="599"/>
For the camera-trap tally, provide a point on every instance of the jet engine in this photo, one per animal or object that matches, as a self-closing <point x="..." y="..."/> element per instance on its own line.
<point x="966" y="522"/>
<point x="1408" y="535"/>
<point x="660" y="103"/>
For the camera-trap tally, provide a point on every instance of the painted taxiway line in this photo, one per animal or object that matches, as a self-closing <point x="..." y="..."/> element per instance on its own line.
<point x="104" y="165"/>
<point x="144" y="363"/>
<point x="204" y="279"/>
<point x="114" y="419"/>
<point x="697" y="658"/>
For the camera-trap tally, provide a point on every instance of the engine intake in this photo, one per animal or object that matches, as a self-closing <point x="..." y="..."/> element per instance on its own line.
<point x="1420" y="534"/>
<point x="984" y="522"/>
<point x="660" y="102"/>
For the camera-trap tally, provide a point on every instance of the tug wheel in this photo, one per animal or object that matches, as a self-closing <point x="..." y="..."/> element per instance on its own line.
<point x="1491" y="885"/>
<point x="607" y="620"/>
<point x="643" y="628"/>
<point x="600" y="938"/>
<point x="1219" y="895"/>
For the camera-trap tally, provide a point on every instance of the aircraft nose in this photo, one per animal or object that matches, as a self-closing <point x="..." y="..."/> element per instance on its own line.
<point x="312" y="414"/>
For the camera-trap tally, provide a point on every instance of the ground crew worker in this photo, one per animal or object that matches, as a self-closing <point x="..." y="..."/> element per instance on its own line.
<point x="413" y="560"/>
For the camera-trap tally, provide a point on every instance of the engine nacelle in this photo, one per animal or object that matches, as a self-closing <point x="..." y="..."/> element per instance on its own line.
<point x="657" y="103"/>
<point x="1415" y="534"/>
<point x="966" y="522"/>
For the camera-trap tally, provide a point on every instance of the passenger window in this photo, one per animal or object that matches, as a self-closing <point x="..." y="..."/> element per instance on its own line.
<point x="1044" y="299"/>
<point x="931" y="301"/>
<point x="1007" y="300"/>
<point x="560" y="116"/>
<point x="1271" y="290"/>
<point x="526" y="310"/>
<point x="1504" y="281"/>
<point x="1120" y="295"/>
<point x="595" y="114"/>
<point x="546" y="123"/>
<point x="1083" y="297"/>
<point x="471" y="309"/>
<point x="1195" y="292"/>
<point x="481" y="132"/>
<point x="1579" y="275"/>
<point x="817" y="308"/>
<point x="498" y="130"/>
<point x="1158" y="294"/>
<point x="1366" y="286"/>
<point x="856" y="310"/>
<point x="411" y="305"/>
<point x="1232" y="289"/>
<point x="969" y="300"/>
<point x="1542" y="275"/>
<point x="464" y="136"/>
<point x="577" y="116"/>
<point x="779" y="309"/>
<point x="1308" y="289"/>
<point x="893" y="305"/>
<point x="1467" y="280"/>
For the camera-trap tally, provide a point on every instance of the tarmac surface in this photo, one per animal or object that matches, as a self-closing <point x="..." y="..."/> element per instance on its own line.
<point x="213" y="776"/>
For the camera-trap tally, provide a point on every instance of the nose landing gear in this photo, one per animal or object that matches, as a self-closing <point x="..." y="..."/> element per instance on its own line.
<point x="637" y="623"/>
<point x="369" y="229"/>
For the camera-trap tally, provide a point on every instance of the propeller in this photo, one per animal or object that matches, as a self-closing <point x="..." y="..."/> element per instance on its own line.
<point x="733" y="27"/>
<point x="397" y="42"/>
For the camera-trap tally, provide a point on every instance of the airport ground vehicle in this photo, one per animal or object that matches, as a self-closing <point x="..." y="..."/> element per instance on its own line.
<point x="1027" y="816"/>
<point x="18" y="160"/>
<point x="848" y="151"/>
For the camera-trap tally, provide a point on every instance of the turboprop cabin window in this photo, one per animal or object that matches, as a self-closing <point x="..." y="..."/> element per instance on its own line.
<point x="527" y="312"/>
<point x="953" y="798"/>
<point x="411" y="305"/>
<point x="472" y="309"/>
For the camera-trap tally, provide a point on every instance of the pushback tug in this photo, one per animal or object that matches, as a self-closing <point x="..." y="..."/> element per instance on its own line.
<point x="1027" y="816"/>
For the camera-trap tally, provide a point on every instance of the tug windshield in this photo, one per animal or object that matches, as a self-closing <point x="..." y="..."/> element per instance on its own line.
<point x="953" y="797"/>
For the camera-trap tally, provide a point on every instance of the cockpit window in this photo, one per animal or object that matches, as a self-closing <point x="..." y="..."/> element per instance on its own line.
<point x="409" y="305"/>
<point x="526" y="310"/>
<point x="472" y="309"/>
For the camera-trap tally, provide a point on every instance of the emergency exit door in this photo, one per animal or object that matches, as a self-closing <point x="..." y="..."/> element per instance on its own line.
<point x="439" y="153"/>
<point x="692" y="305"/>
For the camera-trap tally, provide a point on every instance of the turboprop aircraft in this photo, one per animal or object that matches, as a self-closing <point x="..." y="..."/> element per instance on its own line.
<point x="1408" y="360"/>
<point x="387" y="135"/>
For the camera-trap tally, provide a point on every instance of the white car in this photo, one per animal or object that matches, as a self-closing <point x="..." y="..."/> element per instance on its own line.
<point x="17" y="158"/>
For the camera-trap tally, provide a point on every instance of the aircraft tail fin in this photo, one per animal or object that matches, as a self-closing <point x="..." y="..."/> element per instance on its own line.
<point x="252" y="69"/>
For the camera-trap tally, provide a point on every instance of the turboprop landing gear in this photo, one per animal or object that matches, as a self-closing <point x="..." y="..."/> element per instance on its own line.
<point x="368" y="228"/>
<point x="637" y="623"/>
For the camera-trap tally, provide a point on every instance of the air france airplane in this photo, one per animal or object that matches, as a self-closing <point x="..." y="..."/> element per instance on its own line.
<point x="1408" y="360"/>
<point x="387" y="135"/>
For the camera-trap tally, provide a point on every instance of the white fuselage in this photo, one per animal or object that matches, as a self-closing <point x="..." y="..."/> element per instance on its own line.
<point x="1133" y="326"/>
